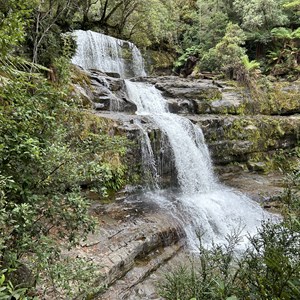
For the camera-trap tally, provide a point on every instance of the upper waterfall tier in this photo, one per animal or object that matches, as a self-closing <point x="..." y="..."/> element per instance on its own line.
<point x="107" y="54"/>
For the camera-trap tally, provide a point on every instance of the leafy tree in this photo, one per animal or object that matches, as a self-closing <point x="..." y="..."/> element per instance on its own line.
<point x="213" y="18"/>
<point x="258" y="17"/>
<point x="14" y="17"/>
<point x="228" y="53"/>
<point x="50" y="151"/>
<point x="49" y="22"/>
<point x="154" y="24"/>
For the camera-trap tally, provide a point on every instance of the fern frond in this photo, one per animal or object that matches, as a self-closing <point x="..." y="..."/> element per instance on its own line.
<point x="250" y="65"/>
<point x="282" y="33"/>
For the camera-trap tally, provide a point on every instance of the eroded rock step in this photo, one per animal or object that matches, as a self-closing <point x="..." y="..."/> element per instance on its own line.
<point x="129" y="234"/>
<point x="124" y="288"/>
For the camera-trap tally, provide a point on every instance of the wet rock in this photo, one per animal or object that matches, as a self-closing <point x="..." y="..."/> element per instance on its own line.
<point x="257" y="166"/>
<point x="111" y="74"/>
<point x="191" y="90"/>
<point x="238" y="138"/>
<point x="130" y="233"/>
<point x="259" y="187"/>
<point x="105" y="92"/>
<point x="230" y="103"/>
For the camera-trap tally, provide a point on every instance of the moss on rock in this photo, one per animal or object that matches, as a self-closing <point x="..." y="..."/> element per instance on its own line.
<point x="159" y="62"/>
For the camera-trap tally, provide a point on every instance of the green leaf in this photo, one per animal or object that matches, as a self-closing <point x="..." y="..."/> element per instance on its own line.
<point x="2" y="279"/>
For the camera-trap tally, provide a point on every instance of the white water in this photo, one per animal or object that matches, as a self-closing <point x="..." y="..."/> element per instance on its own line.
<point x="202" y="204"/>
<point x="148" y="160"/>
<point x="105" y="53"/>
<point x="192" y="158"/>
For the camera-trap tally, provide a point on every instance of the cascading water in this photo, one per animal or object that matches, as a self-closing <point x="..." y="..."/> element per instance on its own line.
<point x="202" y="203"/>
<point x="192" y="158"/>
<point x="148" y="160"/>
<point x="107" y="54"/>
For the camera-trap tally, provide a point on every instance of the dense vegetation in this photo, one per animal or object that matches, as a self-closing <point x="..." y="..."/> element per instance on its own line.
<point x="229" y="34"/>
<point x="52" y="152"/>
<point x="220" y="35"/>
<point x="52" y="149"/>
<point x="268" y="269"/>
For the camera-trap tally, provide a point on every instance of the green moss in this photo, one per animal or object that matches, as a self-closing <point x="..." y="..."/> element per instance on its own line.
<point x="252" y="138"/>
<point x="159" y="60"/>
<point x="262" y="131"/>
<point x="210" y="94"/>
<point x="126" y="53"/>
<point x="275" y="99"/>
<point x="80" y="77"/>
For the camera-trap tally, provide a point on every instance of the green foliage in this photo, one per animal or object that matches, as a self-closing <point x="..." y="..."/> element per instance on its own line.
<point x="283" y="58"/>
<point x="69" y="278"/>
<point x="292" y="4"/>
<point x="260" y="14"/>
<point x="250" y="66"/>
<point x="268" y="269"/>
<point x="210" y="61"/>
<point x="49" y="150"/>
<point x="228" y="53"/>
<point x="290" y="199"/>
<point x="9" y="291"/>
<point x="213" y="18"/>
<point x="193" y="51"/>
<point x="281" y="33"/>
<point x="260" y="20"/>
<point x="13" y="21"/>
<point x="212" y="277"/>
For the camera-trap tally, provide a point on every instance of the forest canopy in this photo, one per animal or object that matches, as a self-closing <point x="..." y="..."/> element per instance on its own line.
<point x="269" y="29"/>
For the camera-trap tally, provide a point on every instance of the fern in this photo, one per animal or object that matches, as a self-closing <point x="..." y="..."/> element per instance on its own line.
<point x="296" y="33"/>
<point x="282" y="33"/>
<point x="250" y="65"/>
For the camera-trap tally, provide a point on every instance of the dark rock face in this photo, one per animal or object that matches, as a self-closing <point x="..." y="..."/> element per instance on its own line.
<point x="242" y="138"/>
<point x="105" y="93"/>
<point x="237" y="128"/>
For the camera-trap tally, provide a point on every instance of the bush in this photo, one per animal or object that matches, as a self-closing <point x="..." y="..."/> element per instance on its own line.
<point x="268" y="269"/>
<point x="49" y="150"/>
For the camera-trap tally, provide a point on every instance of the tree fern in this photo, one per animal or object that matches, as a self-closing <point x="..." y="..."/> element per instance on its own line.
<point x="282" y="33"/>
<point x="296" y="33"/>
<point x="250" y="65"/>
<point x="292" y="4"/>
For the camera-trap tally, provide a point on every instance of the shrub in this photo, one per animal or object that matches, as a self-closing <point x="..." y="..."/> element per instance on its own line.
<point x="268" y="269"/>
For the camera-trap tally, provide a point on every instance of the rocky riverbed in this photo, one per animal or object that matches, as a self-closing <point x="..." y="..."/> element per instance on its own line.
<point x="135" y="239"/>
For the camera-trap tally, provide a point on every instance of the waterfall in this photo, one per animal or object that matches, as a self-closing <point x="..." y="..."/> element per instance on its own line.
<point x="192" y="158"/>
<point x="202" y="203"/>
<point x="149" y="164"/>
<point x="107" y="54"/>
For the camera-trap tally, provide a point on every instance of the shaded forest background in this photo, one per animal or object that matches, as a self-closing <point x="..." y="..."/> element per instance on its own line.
<point x="220" y="34"/>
